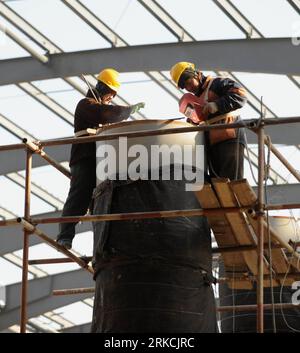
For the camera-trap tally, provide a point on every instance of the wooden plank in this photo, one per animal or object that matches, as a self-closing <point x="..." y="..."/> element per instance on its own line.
<point x="243" y="191"/>
<point x="239" y="284"/>
<point x="246" y="196"/>
<point x="295" y="263"/>
<point x="221" y="229"/>
<point x="237" y="222"/>
<point x="279" y="260"/>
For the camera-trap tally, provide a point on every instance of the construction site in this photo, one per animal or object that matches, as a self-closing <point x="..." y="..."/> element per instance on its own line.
<point x="94" y="235"/>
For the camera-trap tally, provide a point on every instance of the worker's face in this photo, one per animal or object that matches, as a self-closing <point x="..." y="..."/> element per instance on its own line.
<point x="191" y="84"/>
<point x="107" y="98"/>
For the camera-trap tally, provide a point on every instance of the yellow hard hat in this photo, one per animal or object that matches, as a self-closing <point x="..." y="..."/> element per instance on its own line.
<point x="178" y="69"/>
<point x="110" y="78"/>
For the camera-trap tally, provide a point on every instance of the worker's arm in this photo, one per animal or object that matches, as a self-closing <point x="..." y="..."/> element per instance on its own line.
<point x="231" y="95"/>
<point x="94" y="113"/>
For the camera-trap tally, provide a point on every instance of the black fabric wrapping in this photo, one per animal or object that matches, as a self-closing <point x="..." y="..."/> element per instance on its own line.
<point x="150" y="297"/>
<point x="151" y="275"/>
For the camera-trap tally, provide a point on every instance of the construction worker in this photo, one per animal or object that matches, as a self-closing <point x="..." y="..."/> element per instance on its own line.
<point x="218" y="98"/>
<point x="91" y="111"/>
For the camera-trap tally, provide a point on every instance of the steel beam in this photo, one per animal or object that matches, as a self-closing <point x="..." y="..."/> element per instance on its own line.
<point x="295" y="4"/>
<point x="15" y="160"/>
<point x="167" y="20"/>
<point x="85" y="328"/>
<point x="37" y="190"/>
<point x="276" y="177"/>
<point x="4" y="213"/>
<point x="11" y="237"/>
<point x="253" y="100"/>
<point x="286" y="134"/>
<point x="47" y="102"/>
<point x="93" y="21"/>
<point x="115" y="40"/>
<point x="238" y="18"/>
<point x="40" y="299"/>
<point x="14" y="129"/>
<point x="249" y="55"/>
<point x="25" y="27"/>
<point x="286" y="193"/>
<point x="248" y="27"/>
<point x="24" y="44"/>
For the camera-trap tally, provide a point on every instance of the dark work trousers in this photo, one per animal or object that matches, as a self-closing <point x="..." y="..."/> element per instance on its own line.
<point x="226" y="160"/>
<point x="83" y="182"/>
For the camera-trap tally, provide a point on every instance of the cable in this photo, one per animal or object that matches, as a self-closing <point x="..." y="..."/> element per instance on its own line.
<point x="122" y="14"/>
<point x="249" y="161"/>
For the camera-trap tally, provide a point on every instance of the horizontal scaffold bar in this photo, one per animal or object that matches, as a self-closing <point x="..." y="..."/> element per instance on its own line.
<point x="250" y="124"/>
<point x="253" y="307"/>
<point x="144" y="215"/>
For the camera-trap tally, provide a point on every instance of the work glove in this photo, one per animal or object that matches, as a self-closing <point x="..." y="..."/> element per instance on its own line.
<point x="210" y="108"/>
<point x="136" y="107"/>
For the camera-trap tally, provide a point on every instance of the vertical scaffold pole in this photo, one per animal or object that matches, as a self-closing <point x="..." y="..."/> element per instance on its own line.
<point x="260" y="218"/>
<point x="26" y="243"/>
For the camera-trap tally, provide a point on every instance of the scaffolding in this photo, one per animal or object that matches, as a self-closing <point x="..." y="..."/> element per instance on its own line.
<point x="256" y="210"/>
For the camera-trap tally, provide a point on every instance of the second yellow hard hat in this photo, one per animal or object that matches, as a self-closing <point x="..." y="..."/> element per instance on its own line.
<point x="178" y="69"/>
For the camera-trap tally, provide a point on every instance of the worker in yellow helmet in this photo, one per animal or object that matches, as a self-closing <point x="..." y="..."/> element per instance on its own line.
<point x="214" y="100"/>
<point x="91" y="111"/>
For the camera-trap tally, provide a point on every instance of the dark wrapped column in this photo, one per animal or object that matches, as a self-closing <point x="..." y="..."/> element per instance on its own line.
<point x="151" y="275"/>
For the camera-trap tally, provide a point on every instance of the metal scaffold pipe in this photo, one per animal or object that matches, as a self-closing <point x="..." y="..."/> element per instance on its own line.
<point x="143" y="215"/>
<point x="239" y="308"/>
<point x="73" y="291"/>
<point x="59" y="260"/>
<point x="260" y="218"/>
<point x="250" y="124"/>
<point x="36" y="149"/>
<point x="31" y="228"/>
<point x="42" y="58"/>
<point x="24" y="289"/>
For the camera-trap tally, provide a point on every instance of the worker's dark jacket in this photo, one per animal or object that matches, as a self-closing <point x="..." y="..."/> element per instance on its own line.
<point x="89" y="114"/>
<point x="230" y="95"/>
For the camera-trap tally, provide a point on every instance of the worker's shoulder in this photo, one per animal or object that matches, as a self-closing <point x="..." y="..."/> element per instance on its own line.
<point x="221" y="82"/>
<point x="87" y="101"/>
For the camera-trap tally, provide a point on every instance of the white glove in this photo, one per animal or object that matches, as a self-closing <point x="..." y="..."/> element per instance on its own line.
<point x="136" y="107"/>
<point x="210" y="108"/>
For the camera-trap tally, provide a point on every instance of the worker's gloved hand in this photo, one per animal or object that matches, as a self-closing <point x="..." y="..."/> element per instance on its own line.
<point x="136" y="107"/>
<point x="210" y="108"/>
